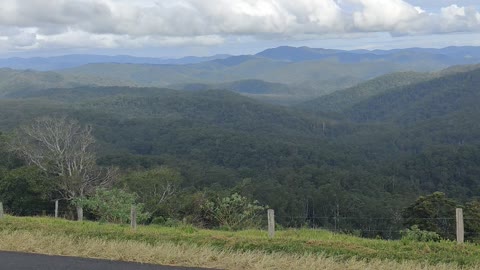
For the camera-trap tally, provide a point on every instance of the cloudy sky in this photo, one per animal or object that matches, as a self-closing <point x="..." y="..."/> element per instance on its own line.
<point x="173" y="28"/>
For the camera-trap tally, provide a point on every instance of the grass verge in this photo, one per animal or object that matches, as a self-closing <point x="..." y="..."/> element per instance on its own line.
<point x="187" y="246"/>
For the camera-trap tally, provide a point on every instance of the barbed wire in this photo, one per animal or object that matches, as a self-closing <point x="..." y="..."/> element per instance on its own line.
<point x="366" y="226"/>
<point x="367" y="218"/>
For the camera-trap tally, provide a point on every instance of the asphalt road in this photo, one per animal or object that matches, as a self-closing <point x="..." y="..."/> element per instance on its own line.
<point x="24" y="261"/>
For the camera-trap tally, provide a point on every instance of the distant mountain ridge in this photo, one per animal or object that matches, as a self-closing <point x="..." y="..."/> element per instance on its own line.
<point x="75" y="60"/>
<point x="447" y="56"/>
<point x="283" y="75"/>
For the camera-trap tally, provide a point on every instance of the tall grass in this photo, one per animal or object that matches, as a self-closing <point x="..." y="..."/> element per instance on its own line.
<point x="188" y="246"/>
<point x="188" y="255"/>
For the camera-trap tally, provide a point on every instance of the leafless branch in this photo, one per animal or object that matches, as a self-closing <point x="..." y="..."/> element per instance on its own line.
<point x="63" y="147"/>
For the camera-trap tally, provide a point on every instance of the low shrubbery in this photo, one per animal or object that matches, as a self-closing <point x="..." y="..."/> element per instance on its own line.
<point x="415" y="234"/>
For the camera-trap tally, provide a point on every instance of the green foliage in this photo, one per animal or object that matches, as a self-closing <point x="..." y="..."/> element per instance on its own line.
<point x="471" y="213"/>
<point x="114" y="206"/>
<point x="436" y="213"/>
<point x="339" y="101"/>
<point x="26" y="190"/>
<point x="154" y="187"/>
<point x="166" y="222"/>
<point x="235" y="212"/>
<point x="416" y="234"/>
<point x="364" y="163"/>
<point x="433" y="213"/>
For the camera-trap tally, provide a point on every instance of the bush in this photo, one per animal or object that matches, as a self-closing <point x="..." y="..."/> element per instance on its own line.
<point x="114" y="206"/>
<point x="415" y="234"/>
<point x="235" y="212"/>
<point x="166" y="222"/>
<point x="158" y="221"/>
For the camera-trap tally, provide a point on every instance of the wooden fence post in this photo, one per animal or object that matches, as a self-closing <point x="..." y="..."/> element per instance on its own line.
<point x="56" y="208"/>
<point x="80" y="213"/>
<point x="271" y="223"/>
<point x="1" y="210"/>
<point x="460" y="227"/>
<point x="133" y="217"/>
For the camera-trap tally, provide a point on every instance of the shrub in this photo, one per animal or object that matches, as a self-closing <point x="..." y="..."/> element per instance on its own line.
<point x="114" y="206"/>
<point x="418" y="235"/>
<point x="235" y="212"/>
<point x="166" y="222"/>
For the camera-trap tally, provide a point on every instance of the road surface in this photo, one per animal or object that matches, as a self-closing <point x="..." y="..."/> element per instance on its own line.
<point x="24" y="261"/>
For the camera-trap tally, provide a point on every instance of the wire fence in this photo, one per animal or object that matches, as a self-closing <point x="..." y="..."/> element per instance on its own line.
<point x="384" y="227"/>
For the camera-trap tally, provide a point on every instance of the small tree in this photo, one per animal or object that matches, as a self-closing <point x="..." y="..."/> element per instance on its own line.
<point x="62" y="147"/>
<point x="472" y="220"/>
<point x="432" y="213"/>
<point x="154" y="186"/>
<point x="113" y="205"/>
<point x="235" y="212"/>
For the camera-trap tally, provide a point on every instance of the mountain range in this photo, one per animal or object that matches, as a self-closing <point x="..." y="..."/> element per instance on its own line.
<point x="366" y="150"/>
<point x="283" y="75"/>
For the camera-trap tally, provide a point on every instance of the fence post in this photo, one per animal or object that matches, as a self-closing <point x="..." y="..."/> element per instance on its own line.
<point x="460" y="227"/>
<point x="56" y="208"/>
<point x="1" y="210"/>
<point x="271" y="223"/>
<point x="133" y="217"/>
<point x="79" y="213"/>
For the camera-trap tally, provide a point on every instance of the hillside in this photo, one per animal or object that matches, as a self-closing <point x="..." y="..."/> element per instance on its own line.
<point x="244" y="87"/>
<point x="284" y="75"/>
<point x="12" y="81"/>
<point x="440" y="97"/>
<point x="276" y="93"/>
<point x="249" y="68"/>
<point x="310" y="79"/>
<point x="344" y="99"/>
<point x="380" y="152"/>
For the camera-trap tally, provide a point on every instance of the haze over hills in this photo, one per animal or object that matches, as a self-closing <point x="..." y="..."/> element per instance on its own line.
<point x="344" y="100"/>
<point x="285" y="75"/>
<point x="75" y="60"/>
<point x="318" y="70"/>
<point x="12" y="81"/>
<point x="449" y="56"/>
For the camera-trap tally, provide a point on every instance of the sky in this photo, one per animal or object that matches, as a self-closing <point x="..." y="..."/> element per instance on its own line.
<point x="176" y="28"/>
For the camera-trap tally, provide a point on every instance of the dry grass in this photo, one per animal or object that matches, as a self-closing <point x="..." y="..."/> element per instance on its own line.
<point x="187" y="255"/>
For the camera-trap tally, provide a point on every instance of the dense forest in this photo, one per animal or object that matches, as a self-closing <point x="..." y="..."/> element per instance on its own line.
<point x="341" y="161"/>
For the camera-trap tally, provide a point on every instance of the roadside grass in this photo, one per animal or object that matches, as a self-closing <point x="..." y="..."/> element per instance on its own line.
<point x="188" y="246"/>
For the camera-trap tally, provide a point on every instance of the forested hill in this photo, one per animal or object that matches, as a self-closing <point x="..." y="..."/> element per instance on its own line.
<point x="344" y="99"/>
<point x="378" y="154"/>
<point x="441" y="97"/>
<point x="284" y="75"/>
<point x="12" y="81"/>
<point x="219" y="108"/>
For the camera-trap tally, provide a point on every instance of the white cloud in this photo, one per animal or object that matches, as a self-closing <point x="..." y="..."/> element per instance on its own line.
<point x="118" y="23"/>
<point x="389" y="16"/>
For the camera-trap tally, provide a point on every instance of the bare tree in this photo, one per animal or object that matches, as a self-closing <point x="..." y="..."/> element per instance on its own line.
<point x="62" y="147"/>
